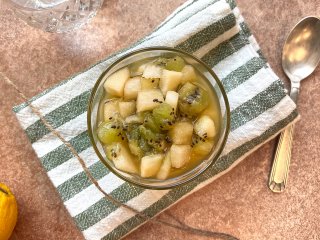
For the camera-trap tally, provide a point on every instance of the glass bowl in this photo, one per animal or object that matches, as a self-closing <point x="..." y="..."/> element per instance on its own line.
<point x="55" y="15"/>
<point x="215" y="85"/>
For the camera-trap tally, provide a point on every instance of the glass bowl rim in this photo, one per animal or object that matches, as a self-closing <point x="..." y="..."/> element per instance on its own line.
<point x="146" y="49"/>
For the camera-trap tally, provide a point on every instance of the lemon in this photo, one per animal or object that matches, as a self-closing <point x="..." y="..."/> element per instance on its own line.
<point x="8" y="212"/>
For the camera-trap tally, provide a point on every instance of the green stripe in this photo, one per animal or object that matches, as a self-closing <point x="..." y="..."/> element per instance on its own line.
<point x="80" y="181"/>
<point x="221" y="165"/>
<point x="257" y="105"/>
<point x="245" y="29"/>
<point x="262" y="56"/>
<point x="62" y="153"/>
<point x="247" y="32"/>
<point x="179" y="192"/>
<point x="103" y="208"/>
<point x="242" y="74"/>
<point x="232" y="3"/>
<point x="59" y="116"/>
<point x="21" y="106"/>
<point x="225" y="49"/>
<point x="207" y="34"/>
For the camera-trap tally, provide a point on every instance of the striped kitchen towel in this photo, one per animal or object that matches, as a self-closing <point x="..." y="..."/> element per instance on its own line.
<point x="212" y="30"/>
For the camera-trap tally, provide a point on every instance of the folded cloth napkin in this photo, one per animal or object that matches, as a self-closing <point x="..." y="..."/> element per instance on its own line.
<point x="212" y="30"/>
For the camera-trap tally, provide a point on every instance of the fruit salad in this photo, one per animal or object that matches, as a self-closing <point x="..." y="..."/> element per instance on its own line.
<point x="159" y="118"/>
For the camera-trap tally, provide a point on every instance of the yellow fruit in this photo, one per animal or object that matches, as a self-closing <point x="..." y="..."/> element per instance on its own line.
<point x="8" y="212"/>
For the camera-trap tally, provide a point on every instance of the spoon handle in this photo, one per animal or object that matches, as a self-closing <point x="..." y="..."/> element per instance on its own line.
<point x="280" y="168"/>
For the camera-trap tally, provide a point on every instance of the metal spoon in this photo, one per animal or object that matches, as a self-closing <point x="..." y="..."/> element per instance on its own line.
<point x="300" y="57"/>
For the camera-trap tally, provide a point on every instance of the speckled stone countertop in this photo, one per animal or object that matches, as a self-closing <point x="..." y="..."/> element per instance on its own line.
<point x="238" y="203"/>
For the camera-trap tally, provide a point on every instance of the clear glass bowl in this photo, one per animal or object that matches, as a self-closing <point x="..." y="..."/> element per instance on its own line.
<point x="55" y="15"/>
<point x="216" y="86"/>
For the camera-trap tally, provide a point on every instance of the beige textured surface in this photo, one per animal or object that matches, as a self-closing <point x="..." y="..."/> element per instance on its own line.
<point x="238" y="203"/>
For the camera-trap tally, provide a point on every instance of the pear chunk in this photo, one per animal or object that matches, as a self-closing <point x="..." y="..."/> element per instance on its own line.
<point x="150" y="165"/>
<point x="152" y="70"/>
<point x="204" y="127"/>
<point x="181" y="133"/>
<point x="180" y="155"/>
<point x="149" y="99"/>
<point x="165" y="168"/>
<point x="115" y="83"/>
<point x="172" y="99"/>
<point x="131" y="88"/>
<point x="188" y="74"/>
<point x="169" y="81"/>
<point x="110" y="109"/>
<point x="121" y="157"/>
<point x="127" y="108"/>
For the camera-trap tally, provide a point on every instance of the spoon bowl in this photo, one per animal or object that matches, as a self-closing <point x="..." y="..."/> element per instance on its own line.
<point x="301" y="51"/>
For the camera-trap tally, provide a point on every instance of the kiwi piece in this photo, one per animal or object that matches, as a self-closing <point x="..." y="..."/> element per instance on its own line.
<point x="175" y="64"/>
<point x="162" y="62"/>
<point x="164" y="116"/>
<point x="132" y="131"/>
<point x="149" y="122"/>
<point x="136" y="140"/>
<point x="193" y="99"/>
<point x="144" y="146"/>
<point x="154" y="140"/>
<point x="133" y="135"/>
<point x="135" y="148"/>
<point x="109" y="132"/>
